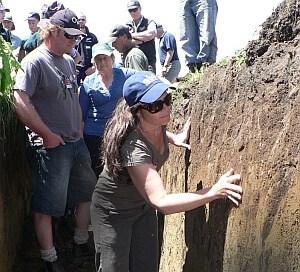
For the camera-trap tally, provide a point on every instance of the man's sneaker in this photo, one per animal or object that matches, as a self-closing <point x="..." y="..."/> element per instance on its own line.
<point x="54" y="267"/>
<point x="82" y="254"/>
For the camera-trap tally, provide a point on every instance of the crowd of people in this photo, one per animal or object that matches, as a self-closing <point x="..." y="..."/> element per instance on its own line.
<point x="97" y="133"/>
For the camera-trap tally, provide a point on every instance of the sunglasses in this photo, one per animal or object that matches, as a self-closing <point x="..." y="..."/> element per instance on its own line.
<point x="71" y="37"/>
<point x="133" y="10"/>
<point x="158" y="105"/>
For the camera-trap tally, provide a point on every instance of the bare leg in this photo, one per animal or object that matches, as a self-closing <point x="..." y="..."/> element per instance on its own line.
<point x="82" y="216"/>
<point x="43" y="230"/>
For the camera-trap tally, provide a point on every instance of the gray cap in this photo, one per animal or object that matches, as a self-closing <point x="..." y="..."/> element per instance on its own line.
<point x="133" y="4"/>
<point x="8" y="18"/>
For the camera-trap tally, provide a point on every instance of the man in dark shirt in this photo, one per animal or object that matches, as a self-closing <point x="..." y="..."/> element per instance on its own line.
<point x="4" y="33"/>
<point x="143" y="32"/>
<point x="84" y="48"/>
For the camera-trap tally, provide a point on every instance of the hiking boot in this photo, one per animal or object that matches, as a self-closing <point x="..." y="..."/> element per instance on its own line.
<point x="54" y="267"/>
<point x="82" y="254"/>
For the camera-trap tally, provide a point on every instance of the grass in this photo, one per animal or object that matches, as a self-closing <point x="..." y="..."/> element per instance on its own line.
<point x="238" y="60"/>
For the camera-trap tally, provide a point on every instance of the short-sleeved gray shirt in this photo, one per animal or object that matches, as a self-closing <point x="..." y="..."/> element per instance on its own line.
<point x="50" y="81"/>
<point x="136" y="150"/>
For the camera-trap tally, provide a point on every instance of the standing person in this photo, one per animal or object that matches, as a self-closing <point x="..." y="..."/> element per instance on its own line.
<point x="9" y="24"/>
<point x="129" y="189"/>
<point x="47" y="12"/>
<point x="46" y="102"/>
<point x="35" y="39"/>
<point x="198" y="33"/>
<point x="132" y="56"/>
<point x="4" y="32"/>
<point x="143" y="32"/>
<point x="84" y="48"/>
<point x="98" y="97"/>
<point x="168" y="55"/>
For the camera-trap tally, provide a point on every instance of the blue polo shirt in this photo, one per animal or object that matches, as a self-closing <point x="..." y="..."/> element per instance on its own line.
<point x="167" y="42"/>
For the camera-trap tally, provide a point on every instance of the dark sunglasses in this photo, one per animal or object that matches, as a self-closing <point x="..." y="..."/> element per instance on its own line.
<point x="71" y="37"/>
<point x="158" y="105"/>
<point x="133" y="10"/>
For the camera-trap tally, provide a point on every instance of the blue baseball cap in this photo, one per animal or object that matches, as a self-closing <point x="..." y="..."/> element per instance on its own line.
<point x="144" y="87"/>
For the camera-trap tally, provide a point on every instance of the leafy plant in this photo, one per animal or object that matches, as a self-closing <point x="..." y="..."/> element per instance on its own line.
<point x="8" y="68"/>
<point x="240" y="57"/>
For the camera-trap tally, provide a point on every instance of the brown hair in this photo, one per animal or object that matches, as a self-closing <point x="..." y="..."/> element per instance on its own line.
<point x="122" y="122"/>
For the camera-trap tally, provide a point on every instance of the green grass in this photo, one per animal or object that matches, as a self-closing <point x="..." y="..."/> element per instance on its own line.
<point x="238" y="60"/>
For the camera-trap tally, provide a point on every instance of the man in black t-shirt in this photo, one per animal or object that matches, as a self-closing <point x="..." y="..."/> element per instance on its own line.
<point x="84" y="48"/>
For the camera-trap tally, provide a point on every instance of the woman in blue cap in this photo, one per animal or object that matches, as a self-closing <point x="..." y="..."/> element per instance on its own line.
<point x="130" y="190"/>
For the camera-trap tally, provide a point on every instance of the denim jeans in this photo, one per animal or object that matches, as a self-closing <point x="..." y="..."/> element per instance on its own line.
<point x="62" y="177"/>
<point x="197" y="30"/>
<point x="127" y="239"/>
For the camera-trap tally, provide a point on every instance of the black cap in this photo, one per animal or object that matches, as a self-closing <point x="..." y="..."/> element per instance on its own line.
<point x="117" y="31"/>
<point x="133" y="4"/>
<point x="33" y="16"/>
<point x="68" y="20"/>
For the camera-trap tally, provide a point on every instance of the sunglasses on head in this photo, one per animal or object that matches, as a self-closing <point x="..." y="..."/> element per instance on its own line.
<point x="71" y="37"/>
<point x="158" y="105"/>
<point x="133" y="10"/>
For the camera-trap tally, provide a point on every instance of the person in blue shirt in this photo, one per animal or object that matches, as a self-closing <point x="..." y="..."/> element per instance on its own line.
<point x="9" y="24"/>
<point x="168" y="55"/>
<point x="98" y="98"/>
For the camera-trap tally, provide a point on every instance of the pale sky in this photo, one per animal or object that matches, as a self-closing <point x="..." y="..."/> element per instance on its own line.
<point x="238" y="21"/>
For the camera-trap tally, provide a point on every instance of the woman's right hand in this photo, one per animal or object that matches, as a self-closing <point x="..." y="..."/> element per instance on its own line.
<point x="227" y="187"/>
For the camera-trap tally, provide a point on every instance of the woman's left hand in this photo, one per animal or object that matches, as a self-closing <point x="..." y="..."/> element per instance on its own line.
<point x="182" y="138"/>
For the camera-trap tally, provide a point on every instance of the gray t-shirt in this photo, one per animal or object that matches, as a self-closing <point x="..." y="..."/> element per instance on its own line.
<point x="50" y="81"/>
<point x="136" y="150"/>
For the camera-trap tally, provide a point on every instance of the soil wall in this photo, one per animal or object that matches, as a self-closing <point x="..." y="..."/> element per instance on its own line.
<point x="247" y="118"/>
<point x="14" y="188"/>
